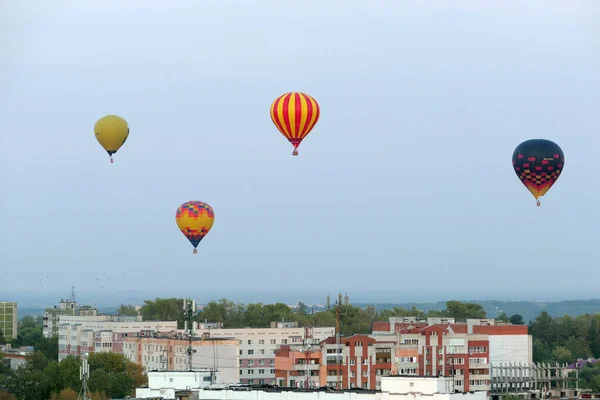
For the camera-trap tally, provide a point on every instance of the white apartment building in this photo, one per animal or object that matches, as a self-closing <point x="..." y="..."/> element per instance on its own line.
<point x="80" y="334"/>
<point x="168" y="353"/>
<point x="257" y="347"/>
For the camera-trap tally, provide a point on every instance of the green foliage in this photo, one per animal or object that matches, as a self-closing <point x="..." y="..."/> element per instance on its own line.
<point x="127" y="309"/>
<point x="164" y="310"/>
<point x="355" y="320"/>
<point x="565" y="339"/>
<point x="516" y="319"/>
<point x="589" y="377"/>
<point x="111" y="375"/>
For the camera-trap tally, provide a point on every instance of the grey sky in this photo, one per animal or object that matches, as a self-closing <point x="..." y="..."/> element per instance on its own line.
<point x="404" y="189"/>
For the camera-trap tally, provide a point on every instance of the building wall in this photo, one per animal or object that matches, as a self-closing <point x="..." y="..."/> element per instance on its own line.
<point x="160" y="354"/>
<point x="77" y="334"/>
<point x="258" y="346"/>
<point x="511" y="348"/>
<point x="8" y="320"/>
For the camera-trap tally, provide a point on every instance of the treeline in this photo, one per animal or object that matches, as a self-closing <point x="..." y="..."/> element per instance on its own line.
<point x="30" y="334"/>
<point x="565" y="339"/>
<point x="43" y="377"/>
<point x="111" y="376"/>
<point x="258" y="315"/>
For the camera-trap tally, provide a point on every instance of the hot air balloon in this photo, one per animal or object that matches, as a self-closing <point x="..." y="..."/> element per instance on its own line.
<point x="111" y="131"/>
<point x="295" y="115"/>
<point x="194" y="219"/>
<point x="538" y="163"/>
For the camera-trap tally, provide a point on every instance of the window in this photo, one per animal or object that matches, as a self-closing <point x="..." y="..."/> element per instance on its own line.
<point x="441" y="362"/>
<point x="261" y="362"/>
<point x="273" y="341"/>
<point x="250" y="363"/>
<point x="352" y="361"/>
<point x="261" y="351"/>
<point x="249" y="341"/>
<point x="250" y="371"/>
<point x="283" y="341"/>
<point x="441" y="350"/>
<point x="261" y="371"/>
<point x="241" y="371"/>
<point x="240" y="352"/>
<point x="250" y="352"/>
<point x="261" y="341"/>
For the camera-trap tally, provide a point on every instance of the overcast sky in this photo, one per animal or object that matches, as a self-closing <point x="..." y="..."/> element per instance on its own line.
<point x="404" y="190"/>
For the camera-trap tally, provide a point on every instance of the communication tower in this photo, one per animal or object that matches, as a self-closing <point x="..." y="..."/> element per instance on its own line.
<point x="308" y="350"/>
<point x="84" y="374"/>
<point x="189" y="307"/>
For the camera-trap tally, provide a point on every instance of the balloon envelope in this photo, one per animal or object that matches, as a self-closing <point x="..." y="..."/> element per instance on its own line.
<point x="195" y="219"/>
<point x="295" y="115"/>
<point x="111" y="132"/>
<point x="538" y="163"/>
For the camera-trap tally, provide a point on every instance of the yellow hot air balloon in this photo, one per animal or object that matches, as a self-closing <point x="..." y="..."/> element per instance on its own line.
<point x="112" y="132"/>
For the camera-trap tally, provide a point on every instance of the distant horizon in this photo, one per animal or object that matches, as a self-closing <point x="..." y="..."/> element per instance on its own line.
<point x="115" y="298"/>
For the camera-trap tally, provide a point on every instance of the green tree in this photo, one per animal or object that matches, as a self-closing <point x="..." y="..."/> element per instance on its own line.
<point x="562" y="355"/>
<point x="127" y="309"/>
<point x="516" y="319"/>
<point x="462" y="311"/>
<point x="2" y="339"/>
<point x="502" y="317"/>
<point x="589" y="377"/>
<point x="164" y="310"/>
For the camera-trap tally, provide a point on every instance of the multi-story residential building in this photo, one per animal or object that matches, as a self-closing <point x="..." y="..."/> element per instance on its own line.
<point x="258" y="346"/>
<point x="464" y="351"/>
<point x="156" y="352"/>
<point x="364" y="360"/>
<point x="50" y="319"/>
<point x="81" y="334"/>
<point x="66" y="308"/>
<point x="8" y="320"/>
<point x="292" y="367"/>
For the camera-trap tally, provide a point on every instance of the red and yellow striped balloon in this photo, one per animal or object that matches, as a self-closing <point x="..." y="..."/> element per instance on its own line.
<point x="295" y="114"/>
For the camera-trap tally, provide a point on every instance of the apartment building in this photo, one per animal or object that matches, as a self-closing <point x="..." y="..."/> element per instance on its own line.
<point x="463" y="351"/>
<point x="8" y="320"/>
<point x="257" y="347"/>
<point x="81" y="334"/>
<point x="359" y="362"/>
<point x="295" y="368"/>
<point x="156" y="352"/>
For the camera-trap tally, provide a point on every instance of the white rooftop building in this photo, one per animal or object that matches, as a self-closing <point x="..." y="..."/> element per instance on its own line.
<point x="392" y="388"/>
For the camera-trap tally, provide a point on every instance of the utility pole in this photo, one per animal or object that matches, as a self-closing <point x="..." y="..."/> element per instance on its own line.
<point x="84" y="374"/>
<point x="338" y="338"/>
<point x="189" y="307"/>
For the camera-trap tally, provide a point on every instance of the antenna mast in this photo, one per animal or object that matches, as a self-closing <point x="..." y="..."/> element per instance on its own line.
<point x="338" y="338"/>
<point x="189" y="307"/>
<point x="308" y="341"/>
<point x="84" y="374"/>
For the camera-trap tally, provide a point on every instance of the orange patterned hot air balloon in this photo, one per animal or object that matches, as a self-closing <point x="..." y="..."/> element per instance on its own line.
<point x="194" y="219"/>
<point x="295" y="115"/>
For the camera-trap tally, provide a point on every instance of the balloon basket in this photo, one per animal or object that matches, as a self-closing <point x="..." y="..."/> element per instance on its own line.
<point x="538" y="203"/>
<point x="111" y="160"/>
<point x="195" y="251"/>
<point x="295" y="153"/>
